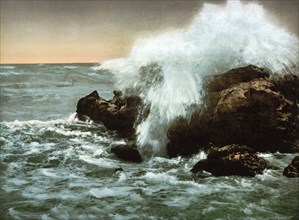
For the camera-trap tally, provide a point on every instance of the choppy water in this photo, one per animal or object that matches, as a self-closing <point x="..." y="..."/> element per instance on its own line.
<point x="55" y="167"/>
<point x="48" y="91"/>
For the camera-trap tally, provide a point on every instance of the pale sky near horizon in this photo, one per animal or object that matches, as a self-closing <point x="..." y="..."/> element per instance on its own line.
<point x="64" y="31"/>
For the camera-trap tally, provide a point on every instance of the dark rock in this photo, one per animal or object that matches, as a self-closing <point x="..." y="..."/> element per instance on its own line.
<point x="231" y="160"/>
<point x="118" y="98"/>
<point x="253" y="114"/>
<point x="288" y="86"/>
<point x="127" y="152"/>
<point x="293" y="169"/>
<point x="243" y="106"/>
<point x="244" y="74"/>
<point x="118" y="114"/>
<point x="215" y="153"/>
<point x="187" y="137"/>
<point x="118" y="169"/>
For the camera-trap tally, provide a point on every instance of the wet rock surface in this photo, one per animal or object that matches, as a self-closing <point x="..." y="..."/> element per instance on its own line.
<point x="293" y="169"/>
<point x="243" y="106"/>
<point x="118" y="114"/>
<point x="231" y="160"/>
<point x="128" y="152"/>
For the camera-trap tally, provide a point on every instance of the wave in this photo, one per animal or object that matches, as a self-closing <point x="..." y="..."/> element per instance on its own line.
<point x="70" y="67"/>
<point x="9" y="73"/>
<point x="7" y="67"/>
<point x="70" y="119"/>
<point x="167" y="69"/>
<point x="95" y="67"/>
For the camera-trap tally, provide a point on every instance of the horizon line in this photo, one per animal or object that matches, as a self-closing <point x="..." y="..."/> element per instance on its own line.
<point x="50" y="63"/>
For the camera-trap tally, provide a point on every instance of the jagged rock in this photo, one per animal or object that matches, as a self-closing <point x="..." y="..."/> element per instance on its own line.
<point x="127" y="152"/>
<point x="231" y="160"/>
<point x="244" y="74"/>
<point x="293" y="169"/>
<point x="118" y="114"/>
<point x="253" y="114"/>
<point x="215" y="152"/>
<point x="243" y="106"/>
<point x="118" y="98"/>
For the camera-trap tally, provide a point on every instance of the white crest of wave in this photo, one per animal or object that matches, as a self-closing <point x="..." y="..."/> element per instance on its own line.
<point x="72" y="118"/>
<point x="219" y="38"/>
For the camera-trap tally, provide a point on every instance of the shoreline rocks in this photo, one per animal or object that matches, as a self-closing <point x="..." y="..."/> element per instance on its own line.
<point x="242" y="107"/>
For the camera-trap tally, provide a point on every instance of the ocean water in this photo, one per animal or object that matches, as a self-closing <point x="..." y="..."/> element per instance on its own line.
<point x="56" y="167"/>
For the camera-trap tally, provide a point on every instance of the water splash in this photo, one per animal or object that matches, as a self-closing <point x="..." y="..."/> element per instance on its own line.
<point x="220" y="37"/>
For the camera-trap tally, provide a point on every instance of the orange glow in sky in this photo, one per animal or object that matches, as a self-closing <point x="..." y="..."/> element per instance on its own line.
<point x="63" y="31"/>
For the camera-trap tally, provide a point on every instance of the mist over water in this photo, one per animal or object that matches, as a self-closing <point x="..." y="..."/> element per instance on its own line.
<point x="219" y="38"/>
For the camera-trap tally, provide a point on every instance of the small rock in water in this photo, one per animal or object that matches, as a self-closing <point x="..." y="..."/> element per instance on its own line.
<point x="231" y="160"/>
<point x="293" y="169"/>
<point x="127" y="152"/>
<point x="119" y="169"/>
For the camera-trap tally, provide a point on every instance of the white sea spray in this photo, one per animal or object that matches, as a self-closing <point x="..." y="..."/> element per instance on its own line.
<point x="220" y="38"/>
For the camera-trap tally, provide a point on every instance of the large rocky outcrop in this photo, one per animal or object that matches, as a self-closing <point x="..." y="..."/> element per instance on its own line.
<point x="231" y="160"/>
<point x="293" y="169"/>
<point x="117" y="114"/>
<point x="243" y="106"/>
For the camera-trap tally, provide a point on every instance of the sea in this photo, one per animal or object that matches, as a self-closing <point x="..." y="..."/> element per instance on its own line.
<point x="54" y="166"/>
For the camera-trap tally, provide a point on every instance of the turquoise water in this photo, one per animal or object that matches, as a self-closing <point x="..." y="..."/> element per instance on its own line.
<point x="56" y="167"/>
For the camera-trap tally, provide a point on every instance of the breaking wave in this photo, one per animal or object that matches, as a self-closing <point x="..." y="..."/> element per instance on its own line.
<point x="167" y="70"/>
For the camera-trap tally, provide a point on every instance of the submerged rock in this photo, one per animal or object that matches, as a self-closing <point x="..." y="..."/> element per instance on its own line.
<point x="118" y="114"/>
<point x="231" y="160"/>
<point x="127" y="152"/>
<point x="293" y="169"/>
<point x="243" y="106"/>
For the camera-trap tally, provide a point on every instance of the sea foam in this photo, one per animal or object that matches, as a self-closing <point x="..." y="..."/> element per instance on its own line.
<point x="219" y="38"/>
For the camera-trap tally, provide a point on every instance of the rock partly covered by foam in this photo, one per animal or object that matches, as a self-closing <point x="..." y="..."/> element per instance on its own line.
<point x="128" y="152"/>
<point x="231" y="160"/>
<point x="118" y="114"/>
<point x="243" y="106"/>
<point x="293" y="169"/>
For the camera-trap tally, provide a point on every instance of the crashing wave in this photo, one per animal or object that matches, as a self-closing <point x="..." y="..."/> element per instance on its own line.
<point x="167" y="70"/>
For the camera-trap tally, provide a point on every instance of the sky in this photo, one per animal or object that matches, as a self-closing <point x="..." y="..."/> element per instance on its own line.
<point x="72" y="31"/>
